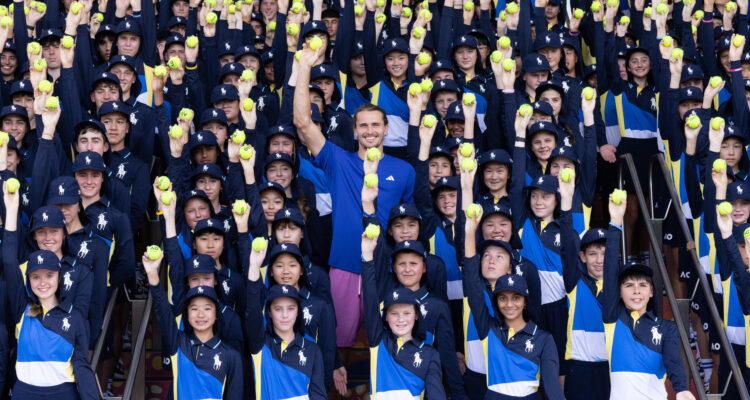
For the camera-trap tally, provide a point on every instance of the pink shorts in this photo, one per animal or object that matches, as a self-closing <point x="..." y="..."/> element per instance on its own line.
<point x="347" y="301"/>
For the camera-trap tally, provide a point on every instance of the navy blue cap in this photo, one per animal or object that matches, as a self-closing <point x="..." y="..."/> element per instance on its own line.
<point x="440" y="151"/>
<point x="197" y="194"/>
<point x="231" y="68"/>
<point x="47" y="217"/>
<point x="453" y="142"/>
<point x="202" y="138"/>
<point x="89" y="160"/>
<point x="732" y="132"/>
<point x="623" y="52"/>
<point x="455" y="111"/>
<point x="12" y="144"/>
<point x="592" y="235"/>
<point x="14" y="110"/>
<point x="414" y="246"/>
<point x="49" y="34"/>
<point x="358" y="48"/>
<point x="541" y="127"/>
<point x="202" y="291"/>
<point x="544" y="108"/>
<point x="266" y="56"/>
<point x="535" y="62"/>
<point x="273" y="157"/>
<point x="276" y="291"/>
<point x="511" y="283"/>
<point x="42" y="259"/>
<point x="272" y="186"/>
<point x="224" y="92"/>
<point x="690" y="93"/>
<point x="565" y="151"/>
<point x="91" y="123"/>
<point x="315" y="114"/>
<point x="445" y="84"/>
<point x="175" y="20"/>
<point x="497" y="208"/>
<point x="285" y="248"/>
<point x="106" y="28"/>
<point x="129" y="25"/>
<point x="745" y="57"/>
<point x="9" y="46"/>
<point x="283" y="129"/>
<point x="632" y="267"/>
<point x="122" y="59"/>
<point x="446" y="182"/>
<point x="484" y="244"/>
<point x="399" y="295"/>
<point x="213" y="114"/>
<point x="200" y="264"/>
<point x="635" y="49"/>
<point x="318" y="90"/>
<point x="404" y="210"/>
<point x="289" y="214"/>
<point x="208" y="169"/>
<point x="441" y="65"/>
<point x="690" y="72"/>
<point x="21" y="86"/>
<point x="464" y="40"/>
<point x="105" y="77"/>
<point x="723" y="44"/>
<point x="739" y="232"/>
<point x="547" y="39"/>
<point x="322" y="71"/>
<point x="497" y="155"/>
<point x="246" y="50"/>
<point x="552" y="83"/>
<point x="174" y="38"/>
<point x="589" y="70"/>
<point x="547" y="183"/>
<point x="225" y="48"/>
<point x="114" y="107"/>
<point x="63" y="190"/>
<point x="312" y="27"/>
<point x="396" y="44"/>
<point x="208" y="224"/>
<point x="738" y="190"/>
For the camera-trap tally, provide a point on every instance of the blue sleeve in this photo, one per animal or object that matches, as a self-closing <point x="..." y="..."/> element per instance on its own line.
<point x="20" y="34"/>
<point x="14" y="282"/>
<point x="257" y="224"/>
<point x="446" y="34"/>
<point x="509" y="111"/>
<point x="709" y="195"/>
<point x="384" y="279"/>
<point x="254" y="323"/>
<point x="83" y="64"/>
<point x="706" y="43"/>
<point x="122" y="264"/>
<point x="235" y="187"/>
<point x="84" y="376"/>
<point x="82" y="290"/>
<point x="445" y="345"/>
<point x="316" y="388"/>
<point x="373" y="66"/>
<point x="572" y="269"/>
<point x="423" y="200"/>
<point x="72" y="106"/>
<point x="610" y="288"/>
<point x="344" y="39"/>
<point x="175" y="271"/>
<point x="672" y="358"/>
<point x="525" y="42"/>
<point x="371" y="305"/>
<point x="740" y="274"/>
<point x="437" y="281"/>
<point x="517" y="183"/>
<point x="588" y="165"/>
<point x="148" y="33"/>
<point x="739" y="108"/>
<point x="234" y="386"/>
<point x="549" y="370"/>
<point x="166" y="319"/>
<point x="279" y="49"/>
<point x="474" y="291"/>
<point x="140" y="191"/>
<point x="433" y="385"/>
<point x="46" y="168"/>
<point x="692" y="186"/>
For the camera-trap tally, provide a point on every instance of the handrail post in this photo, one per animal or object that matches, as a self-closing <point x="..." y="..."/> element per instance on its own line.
<point x="135" y="385"/>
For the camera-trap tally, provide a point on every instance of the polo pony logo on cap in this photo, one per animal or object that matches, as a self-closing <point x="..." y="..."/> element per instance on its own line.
<point x="39" y="259"/>
<point x="205" y="167"/>
<point x="214" y="114"/>
<point x="287" y="213"/>
<point x="401" y="209"/>
<point x="284" y="290"/>
<point x="601" y="233"/>
<point x="196" y="264"/>
<point x="540" y="180"/>
<point x="395" y="295"/>
<point x="510" y="282"/>
<point x="407" y="244"/>
<point x="223" y="91"/>
<point x="284" y="247"/>
<point x="44" y="217"/>
<point x="88" y="160"/>
<point x="739" y="189"/>
<point x="200" y="289"/>
<point x="209" y="223"/>
<point x="538" y="61"/>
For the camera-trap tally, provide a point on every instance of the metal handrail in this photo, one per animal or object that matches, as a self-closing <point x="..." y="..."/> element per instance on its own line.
<point x="105" y="326"/>
<point x="137" y="350"/>
<point x="703" y="282"/>
<point x="662" y="270"/>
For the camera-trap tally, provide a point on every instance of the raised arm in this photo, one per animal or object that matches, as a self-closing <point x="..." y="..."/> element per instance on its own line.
<point x="309" y="133"/>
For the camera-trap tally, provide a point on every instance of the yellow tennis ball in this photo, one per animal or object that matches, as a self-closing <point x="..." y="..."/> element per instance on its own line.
<point x="99" y="17"/>
<point x="473" y="210"/>
<point x="648" y="11"/>
<point x="246" y="152"/>
<point x="588" y="93"/>
<point x="578" y="13"/>
<point x="415" y="89"/>
<point x="191" y="41"/>
<point x="4" y="138"/>
<point x="567" y="174"/>
<point x="667" y="41"/>
<point x="469" y="98"/>
<point x="423" y="58"/>
<point x="717" y="123"/>
<point x="466" y="149"/>
<point x="693" y="121"/>
<point x="419" y="31"/>
<point x="618" y="196"/>
<point x="240" y="207"/>
<point x="371" y="180"/>
<point x="358" y="10"/>
<point x="174" y="63"/>
<point x="468" y="164"/>
<point x="271" y="26"/>
<point x="719" y="165"/>
<point x="211" y="17"/>
<point x="40" y="64"/>
<point x="525" y="110"/>
<point x="315" y="42"/>
<point x="429" y="120"/>
<point x="662" y="9"/>
<point x="698" y="14"/>
<point x="13" y="185"/>
<point x="426" y="84"/>
<point x="175" y="131"/>
<point x="232" y="9"/>
<point x="163" y="182"/>
<point x="596" y="6"/>
<point x="186" y="114"/>
<point x="725" y="208"/>
<point x="496" y="56"/>
<point x="76" y="7"/>
<point x="715" y="81"/>
<point x="153" y="252"/>
<point x="248" y="104"/>
<point x="259" y="244"/>
<point x="247" y="75"/>
<point x="298" y="55"/>
<point x="292" y="29"/>
<point x="380" y="18"/>
<point x="45" y="86"/>
<point x="372" y="231"/>
<point x="406" y="13"/>
<point x="6" y="21"/>
<point x="511" y="8"/>
<point x="52" y="102"/>
<point x="67" y="41"/>
<point x="508" y="64"/>
<point x="731" y="6"/>
<point x="677" y="53"/>
<point x="504" y="42"/>
<point x="738" y="40"/>
<point x="160" y="71"/>
<point x="746" y="233"/>
<point x="167" y="198"/>
<point x="469" y="5"/>
<point x="238" y="136"/>
<point x="373" y="153"/>
<point x="503" y="15"/>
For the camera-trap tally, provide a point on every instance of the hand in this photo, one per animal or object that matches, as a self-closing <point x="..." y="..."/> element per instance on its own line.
<point x="209" y="30"/>
<point x="340" y="380"/>
<point x="368" y="246"/>
<point x="675" y="65"/>
<point x="369" y="194"/>
<point x="152" y="268"/>
<point x="426" y="134"/>
<point x="687" y="10"/>
<point x="587" y="106"/>
<point x="574" y="23"/>
<point x="4" y="157"/>
<point x="512" y="20"/>
<point x="191" y="53"/>
<point x="715" y="137"/>
<point x="50" y="118"/>
<point x="684" y="395"/>
<point x="720" y="180"/>
<point x="461" y="358"/>
<point x="233" y="150"/>
<point x="157" y="84"/>
<point x="472" y="224"/>
<point x="467" y="177"/>
<point x="250" y="117"/>
<point x="67" y="56"/>
<point x="735" y="53"/>
<point x="617" y="211"/>
<point x="566" y="189"/>
<point x="621" y="29"/>
<point x="309" y="56"/>
<point x="370" y="167"/>
<point x="521" y="124"/>
<point x="608" y="153"/>
<point x="36" y="76"/>
<point x="34" y="16"/>
<point x="176" y="75"/>
<point x="11" y="200"/>
<point x="241" y="220"/>
<point x="691" y="134"/>
<point x="724" y="222"/>
<point x="248" y="167"/>
<point x="169" y="211"/>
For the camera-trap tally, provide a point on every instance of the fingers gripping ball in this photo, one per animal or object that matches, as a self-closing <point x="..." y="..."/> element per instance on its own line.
<point x="715" y="81"/>
<point x="163" y="183"/>
<point x="578" y="13"/>
<point x="508" y="64"/>
<point x="372" y="231"/>
<point x="496" y="56"/>
<point x="153" y="252"/>
<point x="247" y="75"/>
<point x="423" y="58"/>
<point x="588" y="93"/>
<point x="415" y="89"/>
<point x="68" y="41"/>
<point x="525" y="110"/>
<point x="371" y="180"/>
<point x="238" y="136"/>
<point x="426" y="85"/>
<point x="186" y="114"/>
<point x="52" y="103"/>
<point x="174" y="63"/>
<point x="248" y="104"/>
<point x="13" y="185"/>
<point x="316" y="43"/>
<point x="373" y="153"/>
<point x="738" y="40"/>
<point x="504" y="42"/>
<point x="618" y="196"/>
<point x="168" y="197"/>
<point x="246" y="152"/>
<point x="667" y="41"/>
<point x="40" y="64"/>
<point x="240" y="207"/>
<point x="746" y="233"/>
<point x="175" y="131"/>
<point x="3" y="138"/>
<point x="466" y="149"/>
<point x="380" y="18"/>
<point x="725" y="208"/>
<point x="719" y="165"/>
<point x="429" y="121"/>
<point x="211" y="17"/>
<point x="192" y="41"/>
<point x="160" y="71"/>
<point x="512" y="8"/>
<point x="76" y="7"/>
<point x="469" y="98"/>
<point x="596" y="6"/>
<point x="473" y="210"/>
<point x="567" y="174"/>
<point x="259" y="244"/>
<point x="468" y="164"/>
<point x="45" y="86"/>
<point x="693" y="121"/>
<point x="717" y="123"/>
<point x="677" y="53"/>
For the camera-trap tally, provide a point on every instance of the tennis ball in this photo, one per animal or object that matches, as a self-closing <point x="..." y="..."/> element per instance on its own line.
<point x="167" y="198"/>
<point x="578" y="13"/>
<point x="588" y="93"/>
<point x="296" y="8"/>
<point x="693" y="121"/>
<point x="525" y="110"/>
<point x="160" y="71"/>
<point x="693" y="29"/>
<point x="175" y="131"/>
<point x="469" y="5"/>
<point x="271" y="26"/>
<point x="746" y="234"/>
<point x="99" y="17"/>
<point x="373" y="153"/>
<point x="358" y="10"/>
<point x="163" y="182"/>
<point x="380" y="3"/>
<point x="662" y="9"/>
<point x="45" y="86"/>
<point x="677" y="53"/>
<point x="153" y="252"/>
<point x="725" y="208"/>
<point x="40" y="64"/>
<point x="618" y="196"/>
<point x="648" y="11"/>
<point x="419" y="31"/>
<point x="426" y="85"/>
<point x="211" y="4"/>
<point x="174" y="63"/>
<point x="504" y="42"/>
<point x="298" y="55"/>
<point x="503" y="15"/>
<point x="406" y="13"/>
<point x="192" y="41"/>
<point x="596" y="6"/>
<point x="13" y="185"/>
<point x="468" y="164"/>
<point x="466" y="149"/>
<point x="248" y="104"/>
<point x="496" y="56"/>
<point x="698" y="14"/>
<point x="3" y="10"/>
<point x="731" y="6"/>
<point x="612" y="3"/>
<point x="76" y="7"/>
<point x="397" y="1"/>
<point x="259" y="244"/>
<point x="715" y="81"/>
<point x="508" y="64"/>
<point x="738" y="40"/>
<point x="372" y="231"/>
<point x="511" y="8"/>
<point x="315" y="42"/>
<point x="232" y="9"/>
<point x="246" y="152"/>
<point x="429" y="120"/>
<point x="423" y="58"/>
<point x="719" y="165"/>
<point x="667" y="41"/>
<point x="371" y="180"/>
<point x="415" y="89"/>
<point x="717" y="123"/>
<point x="247" y="75"/>
<point x="469" y="99"/>
<point x="425" y="14"/>
<point x="239" y="207"/>
<point x="6" y="21"/>
<point x="67" y="41"/>
<point x="52" y="103"/>
<point x="567" y="174"/>
<point x="3" y="138"/>
<point x="473" y="210"/>
<point x="624" y="20"/>
<point x="186" y="114"/>
<point x="211" y="17"/>
<point x="292" y="29"/>
<point x="238" y="136"/>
